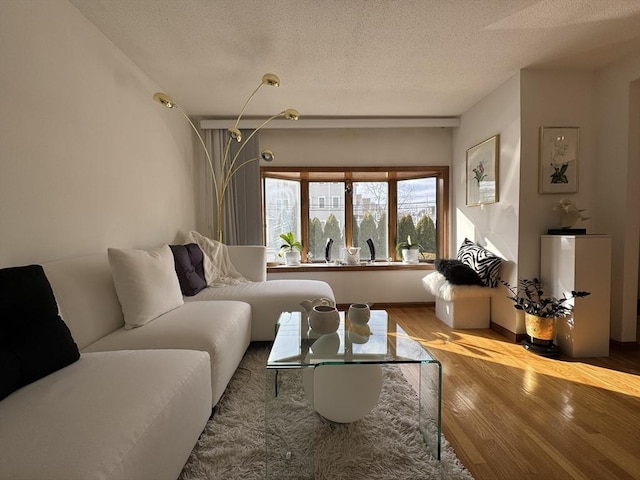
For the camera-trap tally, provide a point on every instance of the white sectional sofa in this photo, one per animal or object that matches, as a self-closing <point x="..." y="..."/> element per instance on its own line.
<point x="134" y="404"/>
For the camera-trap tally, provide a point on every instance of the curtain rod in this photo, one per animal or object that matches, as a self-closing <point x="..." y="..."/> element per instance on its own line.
<point x="390" y="122"/>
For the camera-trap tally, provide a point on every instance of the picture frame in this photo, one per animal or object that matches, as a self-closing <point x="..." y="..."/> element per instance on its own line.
<point x="482" y="172"/>
<point x="558" y="160"/>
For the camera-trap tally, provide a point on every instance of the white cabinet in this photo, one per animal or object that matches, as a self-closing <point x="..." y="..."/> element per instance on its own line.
<point x="580" y="262"/>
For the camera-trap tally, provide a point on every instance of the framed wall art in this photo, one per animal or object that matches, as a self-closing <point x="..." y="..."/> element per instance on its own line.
<point x="482" y="172"/>
<point x="558" y="163"/>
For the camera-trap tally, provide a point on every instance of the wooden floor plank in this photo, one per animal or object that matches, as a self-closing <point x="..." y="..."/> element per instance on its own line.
<point x="510" y="414"/>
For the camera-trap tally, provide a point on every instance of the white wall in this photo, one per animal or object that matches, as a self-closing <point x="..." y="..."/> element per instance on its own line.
<point x="382" y="286"/>
<point x="617" y="173"/>
<point x="353" y="147"/>
<point x="494" y="226"/>
<point x="552" y="99"/>
<point x="87" y="159"/>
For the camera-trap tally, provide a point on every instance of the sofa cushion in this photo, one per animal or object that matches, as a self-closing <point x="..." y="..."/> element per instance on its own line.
<point x="84" y="289"/>
<point x="146" y="283"/>
<point x="457" y="272"/>
<point x="222" y="329"/>
<point x="189" y="264"/>
<point x="268" y="300"/>
<point x="34" y="341"/>
<point x="484" y="262"/>
<point x="109" y="416"/>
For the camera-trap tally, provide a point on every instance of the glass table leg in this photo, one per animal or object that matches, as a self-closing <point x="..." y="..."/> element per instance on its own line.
<point x="284" y="461"/>
<point x="430" y="393"/>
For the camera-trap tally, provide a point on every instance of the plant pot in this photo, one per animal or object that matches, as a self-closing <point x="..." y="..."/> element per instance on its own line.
<point x="542" y="328"/>
<point x="410" y="255"/>
<point x="292" y="257"/>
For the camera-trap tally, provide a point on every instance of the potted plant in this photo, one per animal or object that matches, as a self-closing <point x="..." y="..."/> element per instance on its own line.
<point x="291" y="249"/>
<point x="540" y="311"/>
<point x="410" y="250"/>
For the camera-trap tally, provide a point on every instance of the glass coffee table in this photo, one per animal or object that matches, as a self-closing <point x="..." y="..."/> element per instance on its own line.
<point x="339" y="375"/>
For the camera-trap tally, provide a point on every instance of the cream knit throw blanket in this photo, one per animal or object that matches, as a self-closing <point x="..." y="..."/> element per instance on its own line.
<point x="218" y="269"/>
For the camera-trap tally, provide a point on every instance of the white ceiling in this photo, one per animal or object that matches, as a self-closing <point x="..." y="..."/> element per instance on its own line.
<point x="352" y="58"/>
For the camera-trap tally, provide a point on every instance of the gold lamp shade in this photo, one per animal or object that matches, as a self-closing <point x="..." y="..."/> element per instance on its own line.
<point x="235" y="134"/>
<point x="164" y="99"/>
<point x="271" y="79"/>
<point x="291" y="114"/>
<point x="267" y="155"/>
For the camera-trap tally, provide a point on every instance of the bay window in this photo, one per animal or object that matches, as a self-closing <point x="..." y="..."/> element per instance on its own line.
<point x="385" y="205"/>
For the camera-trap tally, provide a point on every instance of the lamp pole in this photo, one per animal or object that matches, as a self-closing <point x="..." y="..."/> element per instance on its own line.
<point x="228" y="167"/>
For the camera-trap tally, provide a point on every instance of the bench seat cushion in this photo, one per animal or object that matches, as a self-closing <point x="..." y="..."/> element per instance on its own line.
<point x="438" y="285"/>
<point x="107" y="417"/>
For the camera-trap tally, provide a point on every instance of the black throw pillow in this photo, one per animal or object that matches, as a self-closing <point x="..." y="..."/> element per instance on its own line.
<point x="457" y="273"/>
<point x="34" y="340"/>
<point x="189" y="262"/>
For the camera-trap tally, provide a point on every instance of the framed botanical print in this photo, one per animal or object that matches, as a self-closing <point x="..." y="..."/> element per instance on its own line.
<point x="558" y="164"/>
<point x="482" y="172"/>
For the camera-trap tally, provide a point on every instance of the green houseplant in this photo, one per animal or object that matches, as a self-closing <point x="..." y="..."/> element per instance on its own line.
<point x="410" y="250"/>
<point x="541" y="310"/>
<point x="290" y="249"/>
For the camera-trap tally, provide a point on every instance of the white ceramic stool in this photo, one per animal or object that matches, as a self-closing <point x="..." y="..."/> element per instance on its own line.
<point x="343" y="393"/>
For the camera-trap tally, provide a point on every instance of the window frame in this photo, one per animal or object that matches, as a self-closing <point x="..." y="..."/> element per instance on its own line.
<point x="350" y="174"/>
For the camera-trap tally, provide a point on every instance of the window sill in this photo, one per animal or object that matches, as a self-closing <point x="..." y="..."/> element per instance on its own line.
<point x="332" y="267"/>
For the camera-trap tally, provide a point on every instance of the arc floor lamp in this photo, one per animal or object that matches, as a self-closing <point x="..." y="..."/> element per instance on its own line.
<point x="228" y="166"/>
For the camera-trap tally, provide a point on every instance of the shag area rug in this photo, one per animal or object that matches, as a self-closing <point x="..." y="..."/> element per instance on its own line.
<point x="386" y="444"/>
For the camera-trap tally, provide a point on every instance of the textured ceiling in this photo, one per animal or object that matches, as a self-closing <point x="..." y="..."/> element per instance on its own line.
<point x="351" y="58"/>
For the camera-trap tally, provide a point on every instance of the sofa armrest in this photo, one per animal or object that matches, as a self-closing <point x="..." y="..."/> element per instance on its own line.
<point x="250" y="261"/>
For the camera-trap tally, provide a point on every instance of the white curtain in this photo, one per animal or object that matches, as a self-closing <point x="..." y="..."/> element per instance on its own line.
<point x="243" y="215"/>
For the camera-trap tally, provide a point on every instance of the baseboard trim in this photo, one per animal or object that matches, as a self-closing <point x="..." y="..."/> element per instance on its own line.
<point x="512" y="337"/>
<point x="519" y="337"/>
<point x="615" y="344"/>
<point x="382" y="306"/>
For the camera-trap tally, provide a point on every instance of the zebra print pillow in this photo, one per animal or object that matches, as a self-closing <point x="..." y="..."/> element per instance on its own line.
<point x="484" y="262"/>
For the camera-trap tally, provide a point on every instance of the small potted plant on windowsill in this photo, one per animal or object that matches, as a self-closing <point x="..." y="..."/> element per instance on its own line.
<point x="410" y="250"/>
<point x="541" y="311"/>
<point x="290" y="249"/>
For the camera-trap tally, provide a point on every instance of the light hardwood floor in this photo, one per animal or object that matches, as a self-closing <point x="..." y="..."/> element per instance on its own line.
<point x="510" y="414"/>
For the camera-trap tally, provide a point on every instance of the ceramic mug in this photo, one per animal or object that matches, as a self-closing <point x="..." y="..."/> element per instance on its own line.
<point x="359" y="313"/>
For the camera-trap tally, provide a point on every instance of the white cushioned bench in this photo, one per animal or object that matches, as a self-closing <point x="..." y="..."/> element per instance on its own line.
<point x="460" y="306"/>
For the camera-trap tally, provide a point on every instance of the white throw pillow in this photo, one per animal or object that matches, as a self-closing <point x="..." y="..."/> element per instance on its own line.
<point x="146" y="283"/>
